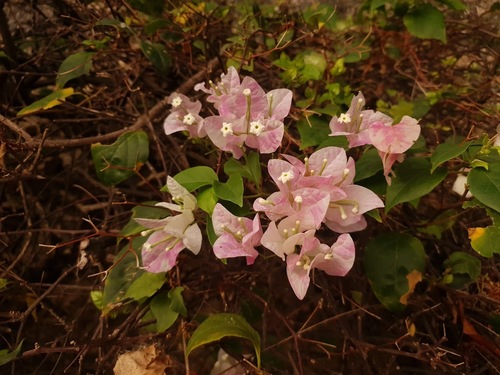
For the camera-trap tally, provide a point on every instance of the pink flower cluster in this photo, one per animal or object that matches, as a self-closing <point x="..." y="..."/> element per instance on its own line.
<point x="247" y="115"/>
<point x="312" y="193"/>
<point x="318" y="190"/>
<point x="366" y="127"/>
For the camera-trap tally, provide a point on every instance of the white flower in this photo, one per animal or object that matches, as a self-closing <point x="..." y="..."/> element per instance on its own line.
<point x="227" y="128"/>
<point x="189" y="119"/>
<point x="345" y="118"/>
<point x="176" y="102"/>
<point x="286" y="176"/>
<point x="256" y="127"/>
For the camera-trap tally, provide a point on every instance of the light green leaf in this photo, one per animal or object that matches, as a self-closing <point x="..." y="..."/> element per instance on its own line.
<point x="447" y="151"/>
<point x="145" y="285"/>
<point x="231" y="191"/>
<point x="74" y="66"/>
<point x="426" y="22"/>
<point x="6" y="356"/>
<point x="157" y="55"/>
<point x="207" y="200"/>
<point x="413" y="180"/>
<point x="116" y="162"/>
<point x="217" y="326"/>
<point x="464" y="269"/>
<point x="484" y="184"/>
<point x="52" y="100"/>
<point x="485" y="240"/>
<point x="394" y="263"/>
<point x="97" y="298"/>
<point x="195" y="177"/>
<point x="3" y="283"/>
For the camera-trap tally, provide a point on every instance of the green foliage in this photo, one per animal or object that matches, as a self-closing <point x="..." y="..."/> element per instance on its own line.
<point x="251" y="170"/>
<point x="218" y="326"/>
<point x="307" y="65"/>
<point x="484" y="184"/>
<point x="145" y="285"/>
<point x="413" y="180"/>
<point x="157" y="55"/>
<point x="368" y="165"/>
<point x="314" y="131"/>
<point x="447" y="151"/>
<point x="426" y="22"/>
<point x="166" y="308"/>
<point x="146" y="210"/>
<point x="116" y="162"/>
<point x="50" y="101"/>
<point x="74" y="66"/>
<point x="231" y="191"/>
<point x="195" y="177"/>
<point x="124" y="272"/>
<point x="207" y="199"/>
<point x="6" y="356"/>
<point x="461" y="269"/>
<point x="394" y="263"/>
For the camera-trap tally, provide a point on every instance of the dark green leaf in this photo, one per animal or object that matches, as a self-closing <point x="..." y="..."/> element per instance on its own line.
<point x="116" y="162"/>
<point x="160" y="308"/>
<point x="464" y="269"/>
<point x="123" y="273"/>
<point x="426" y="22"/>
<point x="157" y="54"/>
<point x="413" y="180"/>
<point x="447" y="151"/>
<point x="393" y="262"/>
<point x="368" y="165"/>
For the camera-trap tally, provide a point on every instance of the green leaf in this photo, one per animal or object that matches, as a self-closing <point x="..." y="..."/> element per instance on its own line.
<point x="146" y="210"/>
<point x="74" y="66"/>
<point x="464" y="269"/>
<point x="157" y="55"/>
<point x="368" y="165"/>
<point x="6" y="356"/>
<point x="145" y="285"/>
<point x="97" y="299"/>
<point x="313" y="131"/>
<point x="454" y="4"/>
<point x="250" y="170"/>
<point x="167" y="307"/>
<point x="195" y="177"/>
<point x="177" y="304"/>
<point x="217" y="326"/>
<point x="231" y="191"/>
<point x="394" y="262"/>
<point x="3" y="283"/>
<point x="413" y="180"/>
<point x="52" y="100"/>
<point x="207" y="200"/>
<point x="447" y="151"/>
<point x="116" y="162"/>
<point x="440" y="224"/>
<point x="484" y="185"/>
<point x="485" y="240"/>
<point x="123" y="273"/>
<point x="426" y="22"/>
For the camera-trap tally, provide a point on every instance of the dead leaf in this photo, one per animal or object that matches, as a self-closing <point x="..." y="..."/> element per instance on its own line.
<point x="414" y="277"/>
<point x="140" y="362"/>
